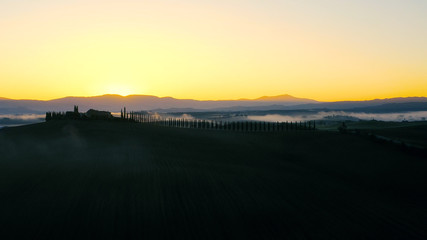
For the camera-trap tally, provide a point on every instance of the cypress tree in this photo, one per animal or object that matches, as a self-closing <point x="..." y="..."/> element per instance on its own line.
<point x="48" y="116"/>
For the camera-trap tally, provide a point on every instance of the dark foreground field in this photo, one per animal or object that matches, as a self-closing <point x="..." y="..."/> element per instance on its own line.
<point x="87" y="180"/>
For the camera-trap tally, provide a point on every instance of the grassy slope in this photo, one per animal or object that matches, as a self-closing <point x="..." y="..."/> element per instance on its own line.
<point x="82" y="180"/>
<point x="408" y="132"/>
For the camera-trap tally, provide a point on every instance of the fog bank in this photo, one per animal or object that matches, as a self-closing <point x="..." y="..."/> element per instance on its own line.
<point x="342" y="115"/>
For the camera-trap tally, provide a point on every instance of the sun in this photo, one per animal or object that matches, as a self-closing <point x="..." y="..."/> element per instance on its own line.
<point x="119" y="89"/>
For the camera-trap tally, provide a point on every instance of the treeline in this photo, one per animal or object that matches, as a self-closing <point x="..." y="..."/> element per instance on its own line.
<point x="74" y="115"/>
<point x="62" y="116"/>
<point x="248" y="126"/>
<point x="144" y="117"/>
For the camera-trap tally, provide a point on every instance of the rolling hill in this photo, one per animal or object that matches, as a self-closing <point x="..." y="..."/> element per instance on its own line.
<point x="139" y="102"/>
<point x="168" y="104"/>
<point x="112" y="180"/>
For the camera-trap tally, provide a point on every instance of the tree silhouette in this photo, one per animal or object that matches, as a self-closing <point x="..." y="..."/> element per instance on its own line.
<point x="48" y="116"/>
<point x="342" y="128"/>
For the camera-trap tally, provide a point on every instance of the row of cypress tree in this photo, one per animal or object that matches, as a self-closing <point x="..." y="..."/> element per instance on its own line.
<point x="218" y="125"/>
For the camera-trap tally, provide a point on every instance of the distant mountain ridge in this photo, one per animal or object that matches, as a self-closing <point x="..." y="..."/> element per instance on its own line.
<point x="279" y="98"/>
<point x="135" y="103"/>
<point x="284" y="97"/>
<point x="114" y="103"/>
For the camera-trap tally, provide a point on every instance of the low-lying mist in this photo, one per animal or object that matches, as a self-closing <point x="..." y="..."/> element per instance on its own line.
<point x="22" y="116"/>
<point x="20" y="119"/>
<point x="292" y="116"/>
<point x="342" y="115"/>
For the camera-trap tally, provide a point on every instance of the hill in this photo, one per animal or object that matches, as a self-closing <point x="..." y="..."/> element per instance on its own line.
<point x="168" y="104"/>
<point x="82" y="180"/>
<point x="284" y="97"/>
<point x="393" y="107"/>
<point x="350" y="105"/>
<point x="136" y="102"/>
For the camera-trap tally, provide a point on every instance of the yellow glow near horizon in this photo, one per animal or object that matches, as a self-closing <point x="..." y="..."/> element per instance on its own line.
<point x="119" y="89"/>
<point x="213" y="50"/>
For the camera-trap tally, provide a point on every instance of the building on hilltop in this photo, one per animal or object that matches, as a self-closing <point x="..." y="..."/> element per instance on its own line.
<point x="99" y="115"/>
<point x="92" y="114"/>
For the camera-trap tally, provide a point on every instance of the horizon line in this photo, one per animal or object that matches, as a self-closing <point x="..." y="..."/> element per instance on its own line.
<point x="239" y="99"/>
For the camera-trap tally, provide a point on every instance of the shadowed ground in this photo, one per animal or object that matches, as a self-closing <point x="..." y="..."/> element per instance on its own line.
<point x="86" y="180"/>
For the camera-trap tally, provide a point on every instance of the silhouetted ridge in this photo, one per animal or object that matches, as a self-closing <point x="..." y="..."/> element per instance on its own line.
<point x="147" y="102"/>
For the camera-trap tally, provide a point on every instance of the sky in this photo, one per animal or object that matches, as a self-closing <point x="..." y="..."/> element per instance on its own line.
<point x="328" y="50"/>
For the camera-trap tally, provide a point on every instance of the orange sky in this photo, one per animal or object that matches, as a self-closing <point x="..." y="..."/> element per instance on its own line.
<point x="333" y="50"/>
